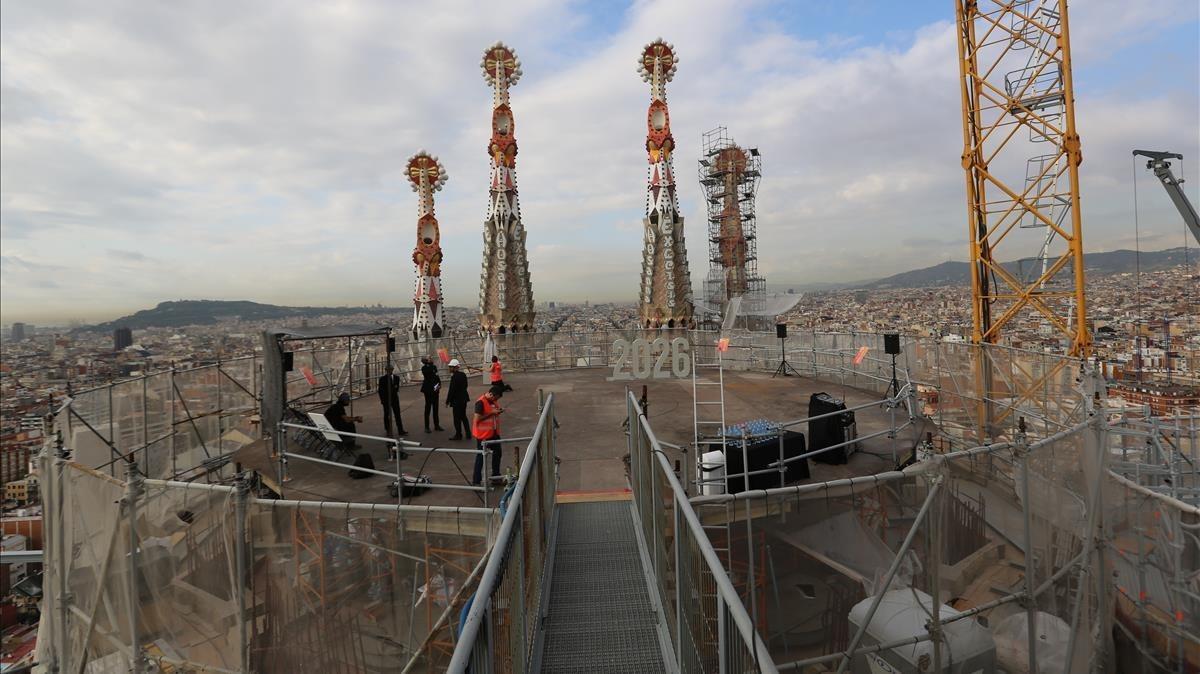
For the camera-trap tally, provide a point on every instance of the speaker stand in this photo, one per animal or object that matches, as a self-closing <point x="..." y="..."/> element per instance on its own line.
<point x="894" y="389"/>
<point x="785" y="368"/>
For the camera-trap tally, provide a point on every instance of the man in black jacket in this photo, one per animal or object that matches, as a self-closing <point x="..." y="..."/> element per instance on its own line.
<point x="457" y="399"/>
<point x="431" y="383"/>
<point x="341" y="420"/>
<point x="389" y="397"/>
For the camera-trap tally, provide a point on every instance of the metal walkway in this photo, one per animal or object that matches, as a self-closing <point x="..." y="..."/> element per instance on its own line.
<point x="600" y="615"/>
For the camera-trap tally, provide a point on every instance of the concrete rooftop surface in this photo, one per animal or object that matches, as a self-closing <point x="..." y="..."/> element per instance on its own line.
<point x="591" y="447"/>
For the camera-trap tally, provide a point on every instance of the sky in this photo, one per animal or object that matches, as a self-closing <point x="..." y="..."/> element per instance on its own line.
<point x="230" y="150"/>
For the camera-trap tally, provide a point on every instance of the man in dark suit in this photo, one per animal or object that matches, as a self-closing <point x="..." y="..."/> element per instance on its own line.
<point x="457" y="399"/>
<point x="431" y="383"/>
<point x="389" y="397"/>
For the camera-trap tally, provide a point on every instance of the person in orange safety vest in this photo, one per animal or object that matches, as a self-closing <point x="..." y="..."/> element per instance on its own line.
<point x="498" y="375"/>
<point x="485" y="425"/>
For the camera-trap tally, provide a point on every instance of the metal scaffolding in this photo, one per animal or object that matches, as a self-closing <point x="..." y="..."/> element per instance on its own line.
<point x="729" y="177"/>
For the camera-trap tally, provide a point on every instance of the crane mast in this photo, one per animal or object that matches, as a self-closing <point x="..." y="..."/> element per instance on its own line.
<point x="1018" y="109"/>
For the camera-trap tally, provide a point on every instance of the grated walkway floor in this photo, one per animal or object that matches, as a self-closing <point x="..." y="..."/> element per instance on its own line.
<point x="600" y="619"/>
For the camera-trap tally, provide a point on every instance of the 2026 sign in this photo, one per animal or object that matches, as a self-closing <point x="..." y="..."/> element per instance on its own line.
<point x="643" y="359"/>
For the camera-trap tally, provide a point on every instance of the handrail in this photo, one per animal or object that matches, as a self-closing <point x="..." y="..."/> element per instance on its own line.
<point x="725" y="590"/>
<point x="824" y="356"/>
<point x="489" y="582"/>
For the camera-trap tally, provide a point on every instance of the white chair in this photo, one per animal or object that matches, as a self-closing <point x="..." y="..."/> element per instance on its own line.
<point x="325" y="427"/>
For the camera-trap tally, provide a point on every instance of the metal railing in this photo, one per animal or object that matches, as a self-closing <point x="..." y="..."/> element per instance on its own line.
<point x="176" y="422"/>
<point x="710" y="629"/>
<point x="502" y="625"/>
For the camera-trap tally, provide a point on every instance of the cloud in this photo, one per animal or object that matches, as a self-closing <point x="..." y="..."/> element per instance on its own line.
<point x="256" y="150"/>
<point x="127" y="255"/>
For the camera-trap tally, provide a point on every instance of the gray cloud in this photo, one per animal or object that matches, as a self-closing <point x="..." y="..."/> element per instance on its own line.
<point x="258" y="149"/>
<point x="127" y="255"/>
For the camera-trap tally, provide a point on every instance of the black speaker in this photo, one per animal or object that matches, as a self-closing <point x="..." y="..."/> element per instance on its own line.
<point x="288" y="361"/>
<point x="761" y="455"/>
<point x="363" y="460"/>
<point x="891" y="343"/>
<point x="831" y="430"/>
<point x="781" y="330"/>
<point x="391" y="345"/>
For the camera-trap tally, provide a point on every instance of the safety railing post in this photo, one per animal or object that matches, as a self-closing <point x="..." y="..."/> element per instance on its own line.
<point x="675" y="545"/>
<point x="145" y="425"/>
<point x="1021" y="449"/>
<point x="519" y="600"/>
<point x="60" y="539"/>
<point x="133" y="489"/>
<point x="656" y="536"/>
<point x="242" y="497"/>
<point x="174" y="449"/>
<point x="722" y="637"/>
<point x="112" y="426"/>
<point x="220" y="406"/>
<point x="281" y="453"/>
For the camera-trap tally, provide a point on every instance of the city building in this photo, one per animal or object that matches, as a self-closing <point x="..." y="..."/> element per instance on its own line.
<point x="122" y="338"/>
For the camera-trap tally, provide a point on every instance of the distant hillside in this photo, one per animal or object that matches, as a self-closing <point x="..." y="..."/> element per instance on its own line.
<point x="959" y="273"/>
<point x="206" y="312"/>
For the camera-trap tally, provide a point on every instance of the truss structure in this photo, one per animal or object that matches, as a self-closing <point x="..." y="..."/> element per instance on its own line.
<point x="505" y="292"/>
<point x="729" y="177"/>
<point x="1021" y="155"/>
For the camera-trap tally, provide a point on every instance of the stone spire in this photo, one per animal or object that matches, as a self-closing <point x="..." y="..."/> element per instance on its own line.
<point x="666" y="295"/>
<point x="427" y="176"/>
<point x="505" y="292"/>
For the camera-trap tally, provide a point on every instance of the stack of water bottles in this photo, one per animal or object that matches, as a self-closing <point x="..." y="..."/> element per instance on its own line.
<point x="753" y="430"/>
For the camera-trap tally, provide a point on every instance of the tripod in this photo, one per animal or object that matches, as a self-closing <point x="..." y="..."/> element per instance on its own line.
<point x="785" y="368"/>
<point x="894" y="389"/>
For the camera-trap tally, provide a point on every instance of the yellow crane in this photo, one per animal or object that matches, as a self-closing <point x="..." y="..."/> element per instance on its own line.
<point x="1018" y="111"/>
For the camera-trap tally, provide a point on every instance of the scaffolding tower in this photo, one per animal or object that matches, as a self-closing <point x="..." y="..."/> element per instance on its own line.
<point x="729" y="177"/>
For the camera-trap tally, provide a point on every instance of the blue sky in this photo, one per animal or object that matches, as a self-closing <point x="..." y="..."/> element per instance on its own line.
<point x="255" y="151"/>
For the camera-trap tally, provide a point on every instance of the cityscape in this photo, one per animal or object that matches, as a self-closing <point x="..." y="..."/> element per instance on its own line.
<point x="1151" y="339"/>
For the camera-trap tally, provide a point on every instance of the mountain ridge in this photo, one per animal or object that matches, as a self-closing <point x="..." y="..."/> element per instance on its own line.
<point x="955" y="272"/>
<point x="180" y="313"/>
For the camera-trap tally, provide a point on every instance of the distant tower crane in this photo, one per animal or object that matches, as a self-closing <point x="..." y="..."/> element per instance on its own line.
<point x="1018" y="102"/>
<point x="1162" y="168"/>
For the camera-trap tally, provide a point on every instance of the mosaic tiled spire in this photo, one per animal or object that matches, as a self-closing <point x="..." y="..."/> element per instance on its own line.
<point x="427" y="176"/>
<point x="505" y="292"/>
<point x="666" y="296"/>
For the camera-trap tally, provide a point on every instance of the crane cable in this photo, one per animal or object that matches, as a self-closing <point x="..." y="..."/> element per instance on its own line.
<point x="1137" y="244"/>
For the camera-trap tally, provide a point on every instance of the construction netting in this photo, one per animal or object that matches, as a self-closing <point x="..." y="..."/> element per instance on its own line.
<point x="1097" y="501"/>
<point x="1153" y="552"/>
<point x="1023" y="529"/>
<point x="211" y="578"/>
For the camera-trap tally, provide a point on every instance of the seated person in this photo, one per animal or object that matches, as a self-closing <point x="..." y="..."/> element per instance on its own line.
<point x="341" y="421"/>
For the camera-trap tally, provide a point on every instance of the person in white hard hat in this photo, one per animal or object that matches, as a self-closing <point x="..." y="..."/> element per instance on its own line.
<point x="457" y="399"/>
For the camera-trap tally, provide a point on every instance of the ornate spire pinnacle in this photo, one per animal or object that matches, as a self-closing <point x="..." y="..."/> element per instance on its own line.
<point x="427" y="176"/>
<point x="666" y="296"/>
<point x="505" y="292"/>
